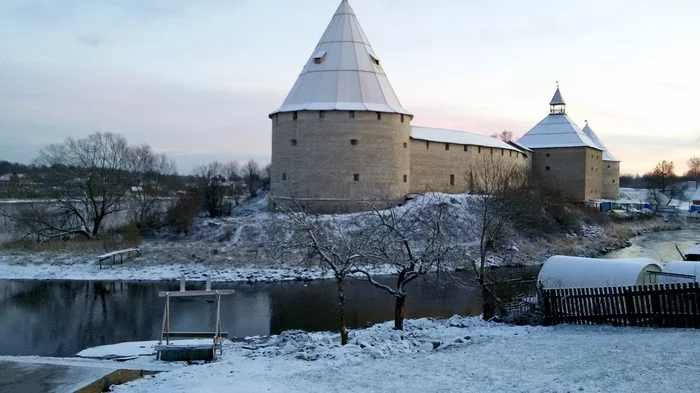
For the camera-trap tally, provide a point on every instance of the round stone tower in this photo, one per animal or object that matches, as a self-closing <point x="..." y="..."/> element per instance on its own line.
<point x="340" y="139"/>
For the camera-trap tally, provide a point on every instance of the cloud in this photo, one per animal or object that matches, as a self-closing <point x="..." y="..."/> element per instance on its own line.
<point x="93" y="41"/>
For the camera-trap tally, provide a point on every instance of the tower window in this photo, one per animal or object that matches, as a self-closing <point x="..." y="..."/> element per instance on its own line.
<point x="479" y="149"/>
<point x="466" y="148"/>
<point x="608" y="166"/>
<point x="353" y="142"/>
<point x="401" y="118"/>
<point x="546" y="168"/>
<point x="452" y="180"/>
<point x="284" y="176"/>
<point x="447" y="146"/>
<point x="379" y="115"/>
<point x="405" y="178"/>
<point x="321" y="114"/>
<point x="319" y="57"/>
<point x="374" y="60"/>
<point x="356" y="177"/>
<point x="427" y="145"/>
<point x="293" y="142"/>
<point x="405" y="145"/>
<point x="352" y="114"/>
<point x="546" y="155"/>
<point x="295" y="115"/>
<point x="613" y="181"/>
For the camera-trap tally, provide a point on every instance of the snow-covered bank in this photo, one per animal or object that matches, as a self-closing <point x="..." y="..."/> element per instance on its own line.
<point x="455" y="355"/>
<point x="164" y="272"/>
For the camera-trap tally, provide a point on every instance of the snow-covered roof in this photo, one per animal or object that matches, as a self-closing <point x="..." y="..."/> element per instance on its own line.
<point x="8" y="176"/>
<point x="592" y="135"/>
<point x="695" y="250"/>
<point x="574" y="272"/>
<point x="680" y="267"/>
<point x="458" y="137"/>
<point x="696" y="197"/>
<point x="556" y="130"/>
<point x="519" y="145"/>
<point x="557" y="99"/>
<point x="343" y="73"/>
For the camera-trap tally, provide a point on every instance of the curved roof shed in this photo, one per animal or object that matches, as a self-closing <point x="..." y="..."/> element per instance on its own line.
<point x="680" y="267"/>
<point x="574" y="272"/>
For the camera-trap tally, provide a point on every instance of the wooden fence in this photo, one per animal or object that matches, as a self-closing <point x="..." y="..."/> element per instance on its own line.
<point x="661" y="305"/>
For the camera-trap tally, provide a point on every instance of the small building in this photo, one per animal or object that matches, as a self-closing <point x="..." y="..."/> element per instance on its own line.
<point x="575" y="272"/>
<point x="695" y="202"/>
<point x="675" y="270"/>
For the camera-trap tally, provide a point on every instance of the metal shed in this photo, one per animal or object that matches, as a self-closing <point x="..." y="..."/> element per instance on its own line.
<point x="681" y="271"/>
<point x="562" y="271"/>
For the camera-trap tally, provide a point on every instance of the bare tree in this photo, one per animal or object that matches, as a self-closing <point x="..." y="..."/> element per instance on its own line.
<point x="662" y="173"/>
<point x="331" y="242"/>
<point x="505" y="135"/>
<point x="216" y="183"/>
<point x="416" y="239"/>
<point x="694" y="169"/>
<point x="90" y="179"/>
<point x="251" y="175"/>
<point x="147" y="206"/>
<point x="499" y="184"/>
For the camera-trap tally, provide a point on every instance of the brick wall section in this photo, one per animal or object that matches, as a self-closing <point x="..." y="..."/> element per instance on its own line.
<point x="576" y="171"/>
<point x="320" y="166"/>
<point x="432" y="165"/>
<point x="611" y="180"/>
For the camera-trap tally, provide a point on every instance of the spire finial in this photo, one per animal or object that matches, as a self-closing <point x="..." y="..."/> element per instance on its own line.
<point x="557" y="84"/>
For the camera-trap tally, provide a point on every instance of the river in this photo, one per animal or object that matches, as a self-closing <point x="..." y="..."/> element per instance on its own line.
<point x="60" y="318"/>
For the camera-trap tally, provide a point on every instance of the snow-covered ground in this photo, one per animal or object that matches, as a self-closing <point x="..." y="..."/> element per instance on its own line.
<point x="88" y="270"/>
<point x="249" y="246"/>
<point x="454" y="355"/>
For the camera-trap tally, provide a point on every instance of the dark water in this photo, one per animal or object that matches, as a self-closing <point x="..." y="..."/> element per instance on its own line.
<point x="60" y="318"/>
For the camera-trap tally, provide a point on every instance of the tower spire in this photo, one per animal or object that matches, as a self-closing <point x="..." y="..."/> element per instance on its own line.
<point x="557" y="106"/>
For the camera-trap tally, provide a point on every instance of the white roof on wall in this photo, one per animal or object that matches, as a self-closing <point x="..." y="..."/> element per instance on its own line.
<point x="349" y="76"/>
<point x="574" y="272"/>
<point x="457" y="137"/>
<point x="556" y="130"/>
<point x="592" y="135"/>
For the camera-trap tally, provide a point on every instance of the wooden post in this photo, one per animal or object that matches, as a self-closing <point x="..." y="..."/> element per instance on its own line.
<point x="217" y="329"/>
<point x="167" y="320"/>
<point x="162" y="329"/>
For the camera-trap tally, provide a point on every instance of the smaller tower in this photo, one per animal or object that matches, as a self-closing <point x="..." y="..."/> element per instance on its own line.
<point x="563" y="157"/>
<point x="557" y="106"/>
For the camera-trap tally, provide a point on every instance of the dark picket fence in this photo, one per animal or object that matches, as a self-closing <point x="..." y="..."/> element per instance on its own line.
<point x="660" y="305"/>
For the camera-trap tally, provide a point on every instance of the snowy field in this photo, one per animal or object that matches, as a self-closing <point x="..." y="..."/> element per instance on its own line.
<point x="455" y="355"/>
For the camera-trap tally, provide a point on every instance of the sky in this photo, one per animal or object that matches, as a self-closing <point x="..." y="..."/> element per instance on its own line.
<point x="197" y="78"/>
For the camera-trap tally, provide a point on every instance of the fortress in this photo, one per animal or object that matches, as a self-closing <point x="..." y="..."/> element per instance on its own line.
<point x="341" y="137"/>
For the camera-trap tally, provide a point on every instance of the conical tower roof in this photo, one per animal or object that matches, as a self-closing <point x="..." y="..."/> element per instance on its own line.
<point x="556" y="130"/>
<point x="592" y="135"/>
<point x="343" y="73"/>
<point x="557" y="99"/>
